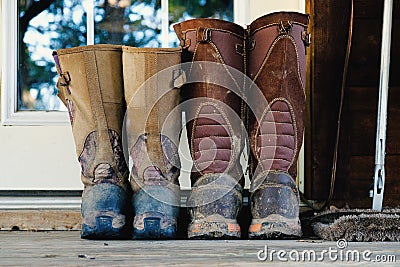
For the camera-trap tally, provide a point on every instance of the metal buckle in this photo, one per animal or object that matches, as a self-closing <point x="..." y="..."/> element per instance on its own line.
<point x="204" y="35"/>
<point x="285" y="27"/>
<point x="252" y="44"/>
<point x="207" y="35"/>
<point x="67" y="78"/>
<point x="64" y="80"/>
<point x="239" y="49"/>
<point x="306" y="37"/>
<point x="182" y="42"/>
<point x="178" y="78"/>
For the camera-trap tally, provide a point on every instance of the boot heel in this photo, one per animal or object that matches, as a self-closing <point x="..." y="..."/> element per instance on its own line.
<point x="214" y="227"/>
<point x="155" y="218"/>
<point x="154" y="225"/>
<point x="275" y="226"/>
<point x="104" y="213"/>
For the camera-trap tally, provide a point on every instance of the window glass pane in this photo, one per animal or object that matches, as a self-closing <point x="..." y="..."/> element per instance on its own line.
<point x="133" y="23"/>
<point x="44" y="26"/>
<point x="180" y="10"/>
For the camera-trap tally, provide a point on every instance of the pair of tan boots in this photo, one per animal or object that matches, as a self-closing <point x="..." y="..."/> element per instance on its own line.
<point x="233" y="84"/>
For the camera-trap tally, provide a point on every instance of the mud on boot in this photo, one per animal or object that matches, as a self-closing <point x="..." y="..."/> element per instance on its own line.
<point x="275" y="208"/>
<point x="106" y="213"/>
<point x="153" y="125"/>
<point x="214" y="204"/>
<point x="277" y="66"/>
<point x="156" y="213"/>
<point x="91" y="86"/>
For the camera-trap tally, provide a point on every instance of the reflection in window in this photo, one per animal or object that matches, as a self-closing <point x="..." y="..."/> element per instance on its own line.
<point x="133" y="23"/>
<point x="44" y="26"/>
<point x="47" y="25"/>
<point x="180" y="10"/>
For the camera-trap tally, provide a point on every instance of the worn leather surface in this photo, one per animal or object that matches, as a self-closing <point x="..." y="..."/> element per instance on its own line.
<point x="276" y="64"/>
<point x="278" y="194"/>
<point x="214" y="142"/>
<point x="220" y="187"/>
<point x="93" y="93"/>
<point x="153" y="120"/>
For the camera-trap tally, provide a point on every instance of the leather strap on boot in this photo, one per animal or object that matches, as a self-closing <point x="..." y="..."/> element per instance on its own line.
<point x="151" y="78"/>
<point x="90" y="84"/>
<point x="106" y="154"/>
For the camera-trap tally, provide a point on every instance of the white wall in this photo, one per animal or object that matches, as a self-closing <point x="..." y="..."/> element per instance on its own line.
<point x="37" y="157"/>
<point x="43" y="157"/>
<point x="258" y="8"/>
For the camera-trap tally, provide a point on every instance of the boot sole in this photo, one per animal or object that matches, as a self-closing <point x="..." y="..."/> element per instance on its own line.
<point x="275" y="226"/>
<point x="154" y="225"/>
<point x="105" y="213"/>
<point x="157" y="209"/>
<point x="104" y="229"/>
<point x="204" y="229"/>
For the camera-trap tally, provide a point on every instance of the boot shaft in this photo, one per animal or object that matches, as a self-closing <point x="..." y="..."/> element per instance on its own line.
<point x="272" y="53"/>
<point x="276" y="57"/>
<point x="91" y="85"/>
<point x="277" y="66"/>
<point x="214" y="109"/>
<point x="214" y="130"/>
<point x="153" y="118"/>
<point x="265" y="31"/>
<point x="224" y="41"/>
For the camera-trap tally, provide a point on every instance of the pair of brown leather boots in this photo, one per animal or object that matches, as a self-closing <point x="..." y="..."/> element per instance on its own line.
<point x="238" y="84"/>
<point x="268" y="101"/>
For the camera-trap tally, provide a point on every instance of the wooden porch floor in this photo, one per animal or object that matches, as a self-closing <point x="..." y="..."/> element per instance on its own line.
<point x="65" y="248"/>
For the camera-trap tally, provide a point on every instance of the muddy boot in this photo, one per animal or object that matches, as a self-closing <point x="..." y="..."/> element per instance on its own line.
<point x="277" y="65"/>
<point x="151" y="79"/>
<point x="91" y="87"/>
<point x="213" y="111"/>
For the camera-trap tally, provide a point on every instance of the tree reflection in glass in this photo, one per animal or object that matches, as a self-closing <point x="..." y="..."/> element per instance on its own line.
<point x="47" y="25"/>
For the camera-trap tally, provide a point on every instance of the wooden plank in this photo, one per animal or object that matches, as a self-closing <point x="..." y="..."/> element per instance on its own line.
<point x="361" y="175"/>
<point x="364" y="98"/>
<point x="308" y="119"/>
<point x="328" y="57"/>
<point x="372" y="9"/>
<point x="39" y="220"/>
<point x="362" y="168"/>
<point x="365" y="54"/>
<point x="358" y="192"/>
<point x="363" y="133"/>
<point x="358" y="125"/>
<point x="66" y="248"/>
<point x="363" y="103"/>
<point x="366" y="50"/>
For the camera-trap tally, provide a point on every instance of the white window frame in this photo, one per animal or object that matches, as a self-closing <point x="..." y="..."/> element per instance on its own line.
<point x="9" y="95"/>
<point x="10" y="115"/>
